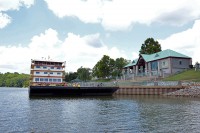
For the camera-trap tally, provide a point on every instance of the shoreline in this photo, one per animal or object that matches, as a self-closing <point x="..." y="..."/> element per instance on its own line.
<point x="189" y="91"/>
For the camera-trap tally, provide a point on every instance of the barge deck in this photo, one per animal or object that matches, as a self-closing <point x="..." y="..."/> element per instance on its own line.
<point x="71" y="91"/>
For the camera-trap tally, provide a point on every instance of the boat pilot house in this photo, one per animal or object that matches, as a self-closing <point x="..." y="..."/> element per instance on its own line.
<point x="160" y="64"/>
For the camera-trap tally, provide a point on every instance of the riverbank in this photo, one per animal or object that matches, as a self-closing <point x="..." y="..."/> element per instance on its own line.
<point x="189" y="91"/>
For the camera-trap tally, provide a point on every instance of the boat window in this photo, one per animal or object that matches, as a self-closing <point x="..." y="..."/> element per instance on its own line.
<point x="44" y="67"/>
<point x="50" y="80"/>
<point x="37" y="66"/>
<point x="41" y="79"/>
<point x="51" y="72"/>
<point x="45" y="72"/>
<point x="36" y="79"/>
<point x="46" y="79"/>
<point x="54" y="80"/>
<point x="58" y="73"/>
<point x="37" y="72"/>
<point x="58" y="67"/>
<point x="52" y="67"/>
<point x="59" y="80"/>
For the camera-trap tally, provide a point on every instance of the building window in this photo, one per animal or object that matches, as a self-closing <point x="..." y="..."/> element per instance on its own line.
<point x="46" y="79"/>
<point x="37" y="66"/>
<point x="52" y="67"/>
<point x="51" y="73"/>
<point x="58" y="73"/>
<point x="59" y="80"/>
<point x="180" y="62"/>
<point x="37" y="72"/>
<point x="154" y="65"/>
<point x="36" y="79"/>
<point x="44" y="67"/>
<point x="45" y="73"/>
<point x="50" y="80"/>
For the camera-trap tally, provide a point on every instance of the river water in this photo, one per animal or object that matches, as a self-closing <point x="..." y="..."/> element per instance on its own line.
<point x="124" y="114"/>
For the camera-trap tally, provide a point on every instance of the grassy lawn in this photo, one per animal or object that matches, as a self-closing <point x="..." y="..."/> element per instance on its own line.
<point x="189" y="75"/>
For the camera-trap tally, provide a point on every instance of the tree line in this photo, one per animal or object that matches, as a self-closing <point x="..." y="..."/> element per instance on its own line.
<point x="14" y="80"/>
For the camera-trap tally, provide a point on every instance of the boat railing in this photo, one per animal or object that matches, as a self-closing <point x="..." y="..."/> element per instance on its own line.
<point x="93" y="84"/>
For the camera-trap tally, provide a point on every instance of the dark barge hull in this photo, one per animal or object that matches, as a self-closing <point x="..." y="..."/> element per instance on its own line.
<point x="70" y="91"/>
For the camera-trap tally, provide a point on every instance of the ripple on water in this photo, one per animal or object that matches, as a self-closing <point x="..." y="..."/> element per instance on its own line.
<point x="18" y="113"/>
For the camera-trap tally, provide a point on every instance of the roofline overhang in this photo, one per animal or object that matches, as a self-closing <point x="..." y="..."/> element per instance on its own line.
<point x="48" y="61"/>
<point x="171" y="57"/>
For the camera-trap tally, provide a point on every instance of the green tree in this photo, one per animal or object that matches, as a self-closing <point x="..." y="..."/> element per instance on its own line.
<point x="119" y="64"/>
<point x="150" y="46"/>
<point x="84" y="73"/>
<point x="14" y="80"/>
<point x="2" y="81"/>
<point x="104" y="67"/>
<point x="70" y="76"/>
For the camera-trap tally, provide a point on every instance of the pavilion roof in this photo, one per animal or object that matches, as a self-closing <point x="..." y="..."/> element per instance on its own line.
<point x="159" y="55"/>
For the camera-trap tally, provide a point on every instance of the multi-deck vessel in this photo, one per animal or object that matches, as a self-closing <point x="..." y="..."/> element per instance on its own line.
<point x="47" y="79"/>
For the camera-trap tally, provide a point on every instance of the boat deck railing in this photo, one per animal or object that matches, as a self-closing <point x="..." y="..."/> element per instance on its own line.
<point x="93" y="84"/>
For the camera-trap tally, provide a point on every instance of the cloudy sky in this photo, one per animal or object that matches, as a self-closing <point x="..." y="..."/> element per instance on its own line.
<point x="80" y="32"/>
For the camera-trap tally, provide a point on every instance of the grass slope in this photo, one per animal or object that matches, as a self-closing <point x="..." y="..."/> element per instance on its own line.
<point x="189" y="75"/>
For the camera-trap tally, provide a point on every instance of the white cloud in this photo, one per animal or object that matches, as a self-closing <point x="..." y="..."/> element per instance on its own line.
<point x="122" y="14"/>
<point x="14" y="59"/>
<point x="186" y="42"/>
<point x="76" y="50"/>
<point x="14" y="4"/>
<point x="135" y="55"/>
<point x="6" y="5"/>
<point x="4" y="20"/>
<point x="88" y="11"/>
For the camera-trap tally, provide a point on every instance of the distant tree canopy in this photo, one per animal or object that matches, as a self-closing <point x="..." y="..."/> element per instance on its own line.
<point x="150" y="46"/>
<point x="70" y="76"/>
<point x="103" y="67"/>
<point x="108" y="67"/>
<point x="84" y="74"/>
<point x="14" y="80"/>
<point x="119" y="64"/>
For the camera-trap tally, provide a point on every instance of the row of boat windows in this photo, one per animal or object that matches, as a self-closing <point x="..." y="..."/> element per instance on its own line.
<point x="45" y="67"/>
<point x="47" y="80"/>
<point x="58" y="73"/>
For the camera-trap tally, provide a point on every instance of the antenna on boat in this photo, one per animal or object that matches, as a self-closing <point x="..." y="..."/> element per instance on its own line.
<point x="48" y="58"/>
